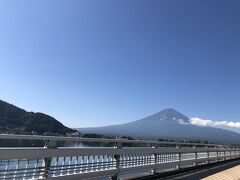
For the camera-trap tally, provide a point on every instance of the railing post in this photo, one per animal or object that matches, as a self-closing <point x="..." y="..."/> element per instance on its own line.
<point x="47" y="164"/>
<point x="155" y="162"/>
<point x="47" y="160"/>
<point x="195" y="163"/>
<point x="118" y="145"/>
<point x="179" y="160"/>
<point x="117" y="158"/>
<point x="208" y="157"/>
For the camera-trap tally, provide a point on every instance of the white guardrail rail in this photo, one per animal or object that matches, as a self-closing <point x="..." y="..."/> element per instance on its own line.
<point x="102" y="162"/>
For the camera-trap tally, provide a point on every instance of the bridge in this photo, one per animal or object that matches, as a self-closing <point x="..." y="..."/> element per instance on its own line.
<point x="142" y="159"/>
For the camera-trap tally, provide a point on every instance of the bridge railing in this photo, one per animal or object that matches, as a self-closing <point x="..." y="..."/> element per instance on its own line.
<point x="103" y="162"/>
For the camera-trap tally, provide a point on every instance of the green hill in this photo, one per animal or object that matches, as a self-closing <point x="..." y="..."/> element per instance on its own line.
<point x="18" y="121"/>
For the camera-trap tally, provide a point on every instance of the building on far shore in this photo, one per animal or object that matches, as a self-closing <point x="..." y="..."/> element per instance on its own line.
<point x="74" y="134"/>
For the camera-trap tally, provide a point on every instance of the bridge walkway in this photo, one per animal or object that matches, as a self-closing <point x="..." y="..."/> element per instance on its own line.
<point x="221" y="171"/>
<point x="232" y="173"/>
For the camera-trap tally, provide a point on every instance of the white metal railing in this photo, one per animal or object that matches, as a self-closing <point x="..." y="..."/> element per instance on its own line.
<point x="103" y="162"/>
<point x="37" y="163"/>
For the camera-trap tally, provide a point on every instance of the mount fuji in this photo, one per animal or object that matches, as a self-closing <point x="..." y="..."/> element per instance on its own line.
<point x="167" y="124"/>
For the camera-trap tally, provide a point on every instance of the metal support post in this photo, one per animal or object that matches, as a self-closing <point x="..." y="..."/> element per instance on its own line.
<point x="47" y="164"/>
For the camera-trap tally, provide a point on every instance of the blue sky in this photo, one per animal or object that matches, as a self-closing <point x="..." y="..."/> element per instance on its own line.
<point x="93" y="63"/>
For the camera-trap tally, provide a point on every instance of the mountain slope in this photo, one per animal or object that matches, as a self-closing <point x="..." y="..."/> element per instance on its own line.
<point x="19" y="121"/>
<point x="167" y="124"/>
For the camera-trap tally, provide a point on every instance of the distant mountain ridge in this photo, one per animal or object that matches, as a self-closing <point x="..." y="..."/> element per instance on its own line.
<point x="168" y="124"/>
<point x="18" y="121"/>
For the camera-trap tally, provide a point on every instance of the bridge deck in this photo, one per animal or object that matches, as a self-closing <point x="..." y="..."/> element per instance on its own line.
<point x="231" y="174"/>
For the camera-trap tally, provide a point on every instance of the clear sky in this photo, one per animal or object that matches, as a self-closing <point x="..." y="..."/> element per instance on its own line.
<point x="93" y="63"/>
